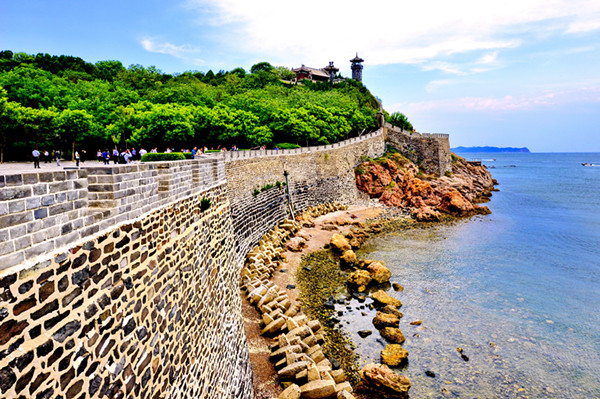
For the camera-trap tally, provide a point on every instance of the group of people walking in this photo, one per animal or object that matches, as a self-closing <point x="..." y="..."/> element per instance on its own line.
<point x="125" y="156"/>
<point x="46" y="156"/>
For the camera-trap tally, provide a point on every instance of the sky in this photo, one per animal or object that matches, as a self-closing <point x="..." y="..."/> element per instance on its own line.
<point x="511" y="73"/>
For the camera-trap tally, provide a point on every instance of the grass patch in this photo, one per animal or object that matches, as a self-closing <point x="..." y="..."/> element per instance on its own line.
<point x="205" y="203"/>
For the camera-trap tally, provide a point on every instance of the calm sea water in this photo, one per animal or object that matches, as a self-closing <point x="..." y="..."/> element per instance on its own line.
<point x="517" y="290"/>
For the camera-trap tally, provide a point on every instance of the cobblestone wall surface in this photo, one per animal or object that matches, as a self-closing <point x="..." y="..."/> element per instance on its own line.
<point x="148" y="310"/>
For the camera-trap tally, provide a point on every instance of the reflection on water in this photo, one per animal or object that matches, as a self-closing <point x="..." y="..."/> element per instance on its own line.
<point x="518" y="290"/>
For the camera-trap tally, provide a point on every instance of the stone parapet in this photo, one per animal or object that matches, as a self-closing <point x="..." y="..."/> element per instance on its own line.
<point x="42" y="212"/>
<point x="239" y="155"/>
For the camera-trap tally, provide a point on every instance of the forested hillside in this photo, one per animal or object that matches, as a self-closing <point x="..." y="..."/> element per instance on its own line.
<point x="61" y="102"/>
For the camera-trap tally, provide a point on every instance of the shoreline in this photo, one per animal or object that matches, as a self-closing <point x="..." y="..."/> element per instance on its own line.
<point x="265" y="380"/>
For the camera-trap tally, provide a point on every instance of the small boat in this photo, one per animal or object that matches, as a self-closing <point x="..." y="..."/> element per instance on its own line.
<point x="589" y="164"/>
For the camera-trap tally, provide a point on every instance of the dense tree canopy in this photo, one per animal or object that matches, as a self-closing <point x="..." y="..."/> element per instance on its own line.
<point x="63" y="102"/>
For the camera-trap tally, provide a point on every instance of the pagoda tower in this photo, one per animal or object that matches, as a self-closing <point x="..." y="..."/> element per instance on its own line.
<point x="357" y="68"/>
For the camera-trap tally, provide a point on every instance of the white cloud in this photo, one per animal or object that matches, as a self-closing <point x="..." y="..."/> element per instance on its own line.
<point x="541" y="100"/>
<point x="435" y="84"/>
<point x="387" y="32"/>
<point x="154" y="46"/>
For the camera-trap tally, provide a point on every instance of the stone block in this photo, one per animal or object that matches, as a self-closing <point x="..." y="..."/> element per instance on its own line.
<point x="39" y="249"/>
<point x="33" y="202"/>
<point x="12" y="259"/>
<point x="16" y="206"/>
<point x="22" y="242"/>
<point x="10" y="193"/>
<point x="11" y="220"/>
<point x="13" y="180"/>
<point x="291" y="392"/>
<point x="7" y="247"/>
<point x="318" y="389"/>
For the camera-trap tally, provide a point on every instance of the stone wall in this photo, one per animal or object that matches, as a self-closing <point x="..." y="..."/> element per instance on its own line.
<point x="131" y="312"/>
<point x="431" y="151"/>
<point x="315" y="175"/>
<point x="121" y="281"/>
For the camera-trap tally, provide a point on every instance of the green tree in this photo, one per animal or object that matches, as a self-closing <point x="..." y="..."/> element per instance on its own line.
<point x="37" y="125"/>
<point x="284" y="73"/>
<point x="108" y="70"/>
<point x="261" y="66"/>
<point x="9" y="122"/>
<point x="399" y="119"/>
<point x="162" y="124"/>
<point x="74" y="126"/>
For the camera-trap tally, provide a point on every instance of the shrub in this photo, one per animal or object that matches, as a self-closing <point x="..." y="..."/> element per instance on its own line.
<point x="278" y="184"/>
<point x="400" y="120"/>
<point x="188" y="155"/>
<point x="256" y="192"/>
<point x="266" y="187"/>
<point x="162" y="156"/>
<point x="448" y="173"/>
<point x="286" y="146"/>
<point x="205" y="203"/>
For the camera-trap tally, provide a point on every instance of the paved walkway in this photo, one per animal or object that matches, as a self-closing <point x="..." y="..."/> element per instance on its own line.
<point x="8" y="168"/>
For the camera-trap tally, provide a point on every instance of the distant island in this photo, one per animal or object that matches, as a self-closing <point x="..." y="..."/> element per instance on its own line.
<point x="489" y="149"/>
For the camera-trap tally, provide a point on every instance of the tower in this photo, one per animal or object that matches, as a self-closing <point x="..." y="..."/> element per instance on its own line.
<point x="357" y="68"/>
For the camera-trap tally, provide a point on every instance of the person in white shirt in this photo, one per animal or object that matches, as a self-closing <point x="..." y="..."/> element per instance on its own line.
<point x="36" y="158"/>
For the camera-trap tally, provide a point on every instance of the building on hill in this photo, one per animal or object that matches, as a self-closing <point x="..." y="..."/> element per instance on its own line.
<point x="357" y="68"/>
<point x="313" y="74"/>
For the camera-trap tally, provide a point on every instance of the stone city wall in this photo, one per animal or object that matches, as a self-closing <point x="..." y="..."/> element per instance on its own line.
<point x="315" y="175"/>
<point x="431" y="151"/>
<point x="150" y="309"/>
<point x="122" y="281"/>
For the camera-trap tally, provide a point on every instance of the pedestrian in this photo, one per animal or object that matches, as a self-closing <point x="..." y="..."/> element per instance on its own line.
<point x="36" y="158"/>
<point x="99" y="155"/>
<point x="57" y="157"/>
<point x="83" y="156"/>
<point x="106" y="157"/>
<point x="115" y="156"/>
<point x="142" y="152"/>
<point x="126" y="155"/>
<point x="133" y="154"/>
<point x="46" y="156"/>
<point x="77" y="158"/>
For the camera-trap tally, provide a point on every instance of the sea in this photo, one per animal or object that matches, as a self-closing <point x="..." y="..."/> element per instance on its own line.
<point x="516" y="291"/>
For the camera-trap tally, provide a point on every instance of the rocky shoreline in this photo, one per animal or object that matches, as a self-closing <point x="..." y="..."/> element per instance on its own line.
<point x="311" y="343"/>
<point x="396" y="181"/>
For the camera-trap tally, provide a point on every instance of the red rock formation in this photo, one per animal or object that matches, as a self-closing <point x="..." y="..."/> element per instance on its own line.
<point x="393" y="180"/>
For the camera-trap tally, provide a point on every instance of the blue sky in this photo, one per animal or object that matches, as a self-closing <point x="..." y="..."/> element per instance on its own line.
<point x="512" y="73"/>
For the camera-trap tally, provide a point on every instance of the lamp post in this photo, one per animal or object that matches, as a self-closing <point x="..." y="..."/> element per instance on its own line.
<point x="287" y="187"/>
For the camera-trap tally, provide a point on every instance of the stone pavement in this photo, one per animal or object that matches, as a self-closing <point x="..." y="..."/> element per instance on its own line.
<point x="9" y="168"/>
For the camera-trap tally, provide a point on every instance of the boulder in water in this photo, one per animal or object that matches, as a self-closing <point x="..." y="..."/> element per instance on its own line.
<point x="381" y="382"/>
